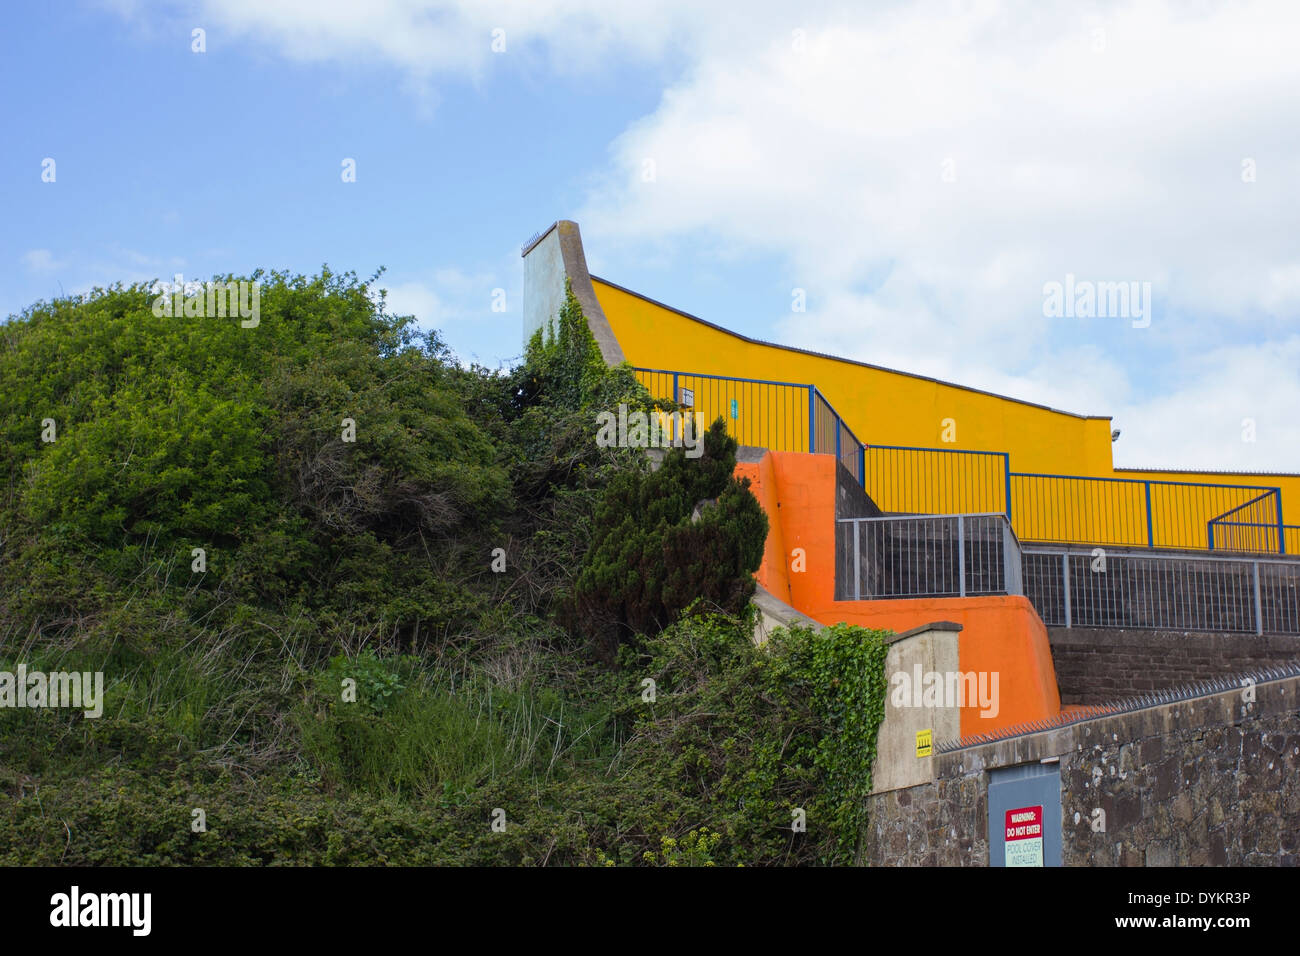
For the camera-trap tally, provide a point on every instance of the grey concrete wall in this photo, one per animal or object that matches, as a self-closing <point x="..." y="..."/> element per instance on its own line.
<point x="925" y="649"/>
<point x="774" y="613"/>
<point x="558" y="255"/>
<point x="543" y="282"/>
<point x="851" y="500"/>
<point x="1212" y="781"/>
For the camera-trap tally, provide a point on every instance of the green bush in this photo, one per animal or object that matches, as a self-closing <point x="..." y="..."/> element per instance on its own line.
<point x="740" y="737"/>
<point x="651" y="558"/>
<point x="477" y="688"/>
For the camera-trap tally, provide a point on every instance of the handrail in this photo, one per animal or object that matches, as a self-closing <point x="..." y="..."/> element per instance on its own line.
<point x="1157" y="554"/>
<point x="957" y="451"/>
<point x="724" y="378"/>
<point x="1139" y="481"/>
<point x="964" y="514"/>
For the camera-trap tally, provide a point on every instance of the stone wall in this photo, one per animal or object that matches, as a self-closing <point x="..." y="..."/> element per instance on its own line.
<point x="1095" y="665"/>
<point x="1213" y="781"/>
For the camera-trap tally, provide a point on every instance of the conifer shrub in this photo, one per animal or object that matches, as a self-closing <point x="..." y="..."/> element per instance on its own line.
<point x="689" y="533"/>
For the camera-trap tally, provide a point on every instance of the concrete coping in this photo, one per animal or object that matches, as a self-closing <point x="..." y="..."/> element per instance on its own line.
<point x="922" y="629"/>
<point x="780" y="613"/>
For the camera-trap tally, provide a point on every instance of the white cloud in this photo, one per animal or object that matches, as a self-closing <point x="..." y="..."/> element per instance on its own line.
<point x="41" y="261"/>
<point x="447" y="295"/>
<point x="417" y="299"/>
<point x="1120" y="164"/>
<point x="431" y="38"/>
<point x="1202" y="421"/>
<point x="1105" y="140"/>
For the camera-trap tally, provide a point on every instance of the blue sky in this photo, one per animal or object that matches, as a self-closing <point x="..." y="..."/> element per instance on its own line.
<point x="920" y="171"/>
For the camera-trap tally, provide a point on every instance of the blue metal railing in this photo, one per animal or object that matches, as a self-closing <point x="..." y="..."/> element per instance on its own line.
<point x="1255" y="525"/>
<point x="905" y="479"/>
<point x="782" y="416"/>
<point x="1112" y="512"/>
<point x="901" y="479"/>
<point x="1138" y="512"/>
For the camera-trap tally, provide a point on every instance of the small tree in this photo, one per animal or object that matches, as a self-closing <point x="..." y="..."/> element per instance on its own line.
<point x="651" y="556"/>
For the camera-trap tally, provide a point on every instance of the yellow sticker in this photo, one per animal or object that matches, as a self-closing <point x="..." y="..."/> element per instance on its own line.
<point x="924" y="743"/>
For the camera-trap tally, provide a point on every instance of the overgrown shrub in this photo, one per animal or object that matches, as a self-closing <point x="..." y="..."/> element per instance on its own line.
<point x="373" y="560"/>
<point x="740" y="737"/>
<point x="664" y="540"/>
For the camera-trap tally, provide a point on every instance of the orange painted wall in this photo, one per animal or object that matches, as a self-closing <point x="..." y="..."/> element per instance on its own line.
<point x="806" y="509"/>
<point x="1002" y="634"/>
<point x="762" y="482"/>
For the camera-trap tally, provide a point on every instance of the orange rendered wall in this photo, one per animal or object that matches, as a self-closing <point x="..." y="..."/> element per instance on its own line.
<point x="1002" y="634"/>
<point x="762" y="482"/>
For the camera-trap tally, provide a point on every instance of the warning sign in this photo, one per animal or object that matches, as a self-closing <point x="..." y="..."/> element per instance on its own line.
<point x="924" y="743"/>
<point x="1024" y="837"/>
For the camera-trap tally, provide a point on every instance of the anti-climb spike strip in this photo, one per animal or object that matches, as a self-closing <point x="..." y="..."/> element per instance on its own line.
<point x="1142" y="701"/>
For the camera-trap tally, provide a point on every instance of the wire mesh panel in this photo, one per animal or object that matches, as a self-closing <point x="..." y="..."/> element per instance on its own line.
<point x="1166" y="591"/>
<point x="941" y="556"/>
<point x="1279" y="594"/>
<point x="1151" y="592"/>
<point x="824" y="423"/>
<point x="1044" y="580"/>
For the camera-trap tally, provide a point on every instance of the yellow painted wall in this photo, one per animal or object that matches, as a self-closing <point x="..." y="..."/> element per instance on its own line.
<point x="885" y="407"/>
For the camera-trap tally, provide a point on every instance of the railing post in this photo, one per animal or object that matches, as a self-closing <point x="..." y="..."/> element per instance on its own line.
<point x="1006" y="561"/>
<point x="838" y="429"/>
<point x="1006" y="473"/>
<point x="961" y="556"/>
<point x="862" y="465"/>
<point x="857" y="571"/>
<point x="1281" y="533"/>
<point x="812" y="418"/>
<point x="677" y="392"/>
<point x="1209" y="532"/>
<point x="1151" y="535"/>
<point x="1012" y="562"/>
<point x="1259" y="610"/>
<point x="1065" y="578"/>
